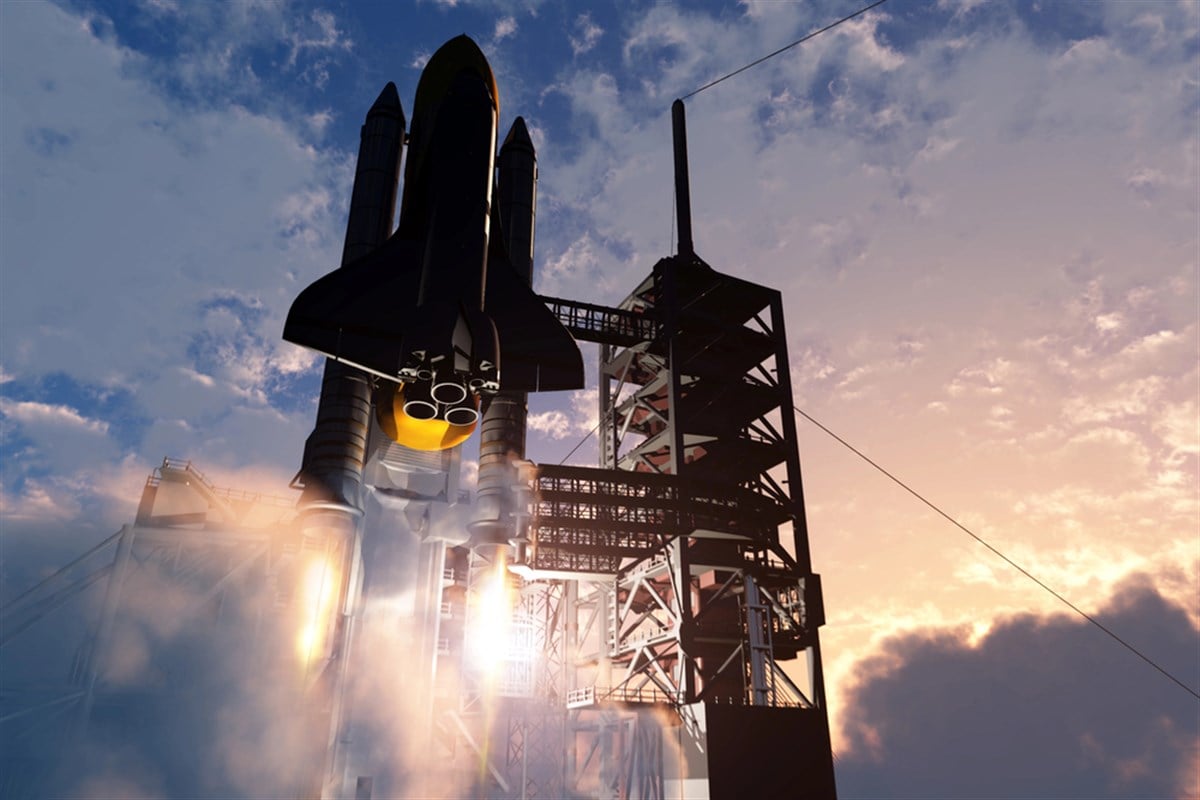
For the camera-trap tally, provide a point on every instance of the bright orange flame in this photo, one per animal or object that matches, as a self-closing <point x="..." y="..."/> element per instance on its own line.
<point x="318" y="587"/>
<point x="490" y="624"/>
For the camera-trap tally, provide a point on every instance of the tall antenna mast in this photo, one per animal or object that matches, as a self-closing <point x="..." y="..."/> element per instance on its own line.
<point x="683" y="196"/>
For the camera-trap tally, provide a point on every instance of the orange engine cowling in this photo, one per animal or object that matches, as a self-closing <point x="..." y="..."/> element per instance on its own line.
<point x="412" y="414"/>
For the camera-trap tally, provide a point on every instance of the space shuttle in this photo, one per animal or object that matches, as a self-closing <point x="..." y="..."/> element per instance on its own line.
<point x="437" y="312"/>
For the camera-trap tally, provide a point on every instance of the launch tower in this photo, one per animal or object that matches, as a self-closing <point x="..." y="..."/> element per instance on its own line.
<point x="685" y="554"/>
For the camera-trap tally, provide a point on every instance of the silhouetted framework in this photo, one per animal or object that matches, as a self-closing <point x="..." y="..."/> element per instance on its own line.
<point x="686" y="553"/>
<point x="212" y="596"/>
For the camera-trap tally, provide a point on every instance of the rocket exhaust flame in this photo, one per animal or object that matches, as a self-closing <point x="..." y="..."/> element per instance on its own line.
<point x="490" y="622"/>
<point x="318" y="593"/>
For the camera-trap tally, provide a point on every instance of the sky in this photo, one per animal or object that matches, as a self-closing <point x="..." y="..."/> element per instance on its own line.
<point x="983" y="217"/>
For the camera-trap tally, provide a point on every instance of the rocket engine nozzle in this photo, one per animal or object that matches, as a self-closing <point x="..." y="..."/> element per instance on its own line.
<point x="463" y="412"/>
<point x="449" y="392"/>
<point x="410" y="415"/>
<point x="419" y="403"/>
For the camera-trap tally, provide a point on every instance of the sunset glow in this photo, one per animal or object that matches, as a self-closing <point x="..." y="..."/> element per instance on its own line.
<point x="983" y="220"/>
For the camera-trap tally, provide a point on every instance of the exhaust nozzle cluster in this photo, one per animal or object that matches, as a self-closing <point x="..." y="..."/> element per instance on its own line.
<point x="447" y="400"/>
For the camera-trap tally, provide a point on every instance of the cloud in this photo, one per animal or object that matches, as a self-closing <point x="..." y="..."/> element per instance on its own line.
<point x="317" y="33"/>
<point x="587" y="34"/>
<point x="252" y="50"/>
<point x="195" y="344"/>
<point x="420" y="59"/>
<point x="580" y="258"/>
<point x="41" y="501"/>
<point x="578" y="421"/>
<point x="161" y="6"/>
<point x="281" y="200"/>
<point x="230" y="674"/>
<point x="43" y="414"/>
<point x="988" y="379"/>
<point x="863" y="33"/>
<point x="208" y="686"/>
<point x="1179" y="426"/>
<point x="1036" y="707"/>
<point x="1012" y="194"/>
<point x="505" y="27"/>
<point x="554" y="424"/>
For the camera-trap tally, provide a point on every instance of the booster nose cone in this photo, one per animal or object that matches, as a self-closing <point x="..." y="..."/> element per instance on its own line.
<point x="388" y="102"/>
<point x="518" y="136"/>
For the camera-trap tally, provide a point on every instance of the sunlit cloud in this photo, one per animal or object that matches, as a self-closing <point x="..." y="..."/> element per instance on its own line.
<point x="33" y="413"/>
<point x="995" y="298"/>
<point x="1142" y="746"/>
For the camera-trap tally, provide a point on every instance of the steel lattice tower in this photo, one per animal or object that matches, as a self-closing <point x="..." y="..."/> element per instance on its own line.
<point x="683" y="590"/>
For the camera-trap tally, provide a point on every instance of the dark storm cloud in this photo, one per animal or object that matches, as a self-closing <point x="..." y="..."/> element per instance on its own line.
<point x="1042" y="707"/>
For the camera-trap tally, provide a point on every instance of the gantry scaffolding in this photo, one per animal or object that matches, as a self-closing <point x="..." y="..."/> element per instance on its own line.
<point x="210" y="612"/>
<point x="681" y="564"/>
<point x="678" y="571"/>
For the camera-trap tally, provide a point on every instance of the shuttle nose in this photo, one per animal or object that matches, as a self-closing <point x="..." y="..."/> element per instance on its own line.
<point x="456" y="55"/>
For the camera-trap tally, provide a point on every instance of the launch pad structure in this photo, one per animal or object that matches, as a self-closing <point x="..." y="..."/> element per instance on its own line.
<point x="681" y="596"/>
<point x="665" y="641"/>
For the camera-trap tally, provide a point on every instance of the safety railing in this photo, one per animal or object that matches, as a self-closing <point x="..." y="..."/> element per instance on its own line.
<point x="594" y="323"/>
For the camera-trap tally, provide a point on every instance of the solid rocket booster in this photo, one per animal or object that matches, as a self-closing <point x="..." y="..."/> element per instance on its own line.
<point x="502" y="432"/>
<point x="331" y="506"/>
<point x="438" y="310"/>
<point x="331" y="469"/>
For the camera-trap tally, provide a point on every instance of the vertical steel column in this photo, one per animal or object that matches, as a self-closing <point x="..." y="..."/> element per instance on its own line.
<point x="677" y="551"/>
<point x="608" y="427"/>
<point x="569" y="616"/>
<point x="758" y="640"/>
<point x="796" y="493"/>
<point x="787" y="414"/>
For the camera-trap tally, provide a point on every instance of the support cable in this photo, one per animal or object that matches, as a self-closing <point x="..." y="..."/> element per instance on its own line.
<point x="863" y="456"/>
<point x="973" y="535"/>
<point x="580" y="443"/>
<point x="783" y="49"/>
<point x="12" y="604"/>
<point x="1006" y="559"/>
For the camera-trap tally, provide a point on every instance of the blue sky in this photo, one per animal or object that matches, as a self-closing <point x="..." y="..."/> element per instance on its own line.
<point x="983" y="217"/>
